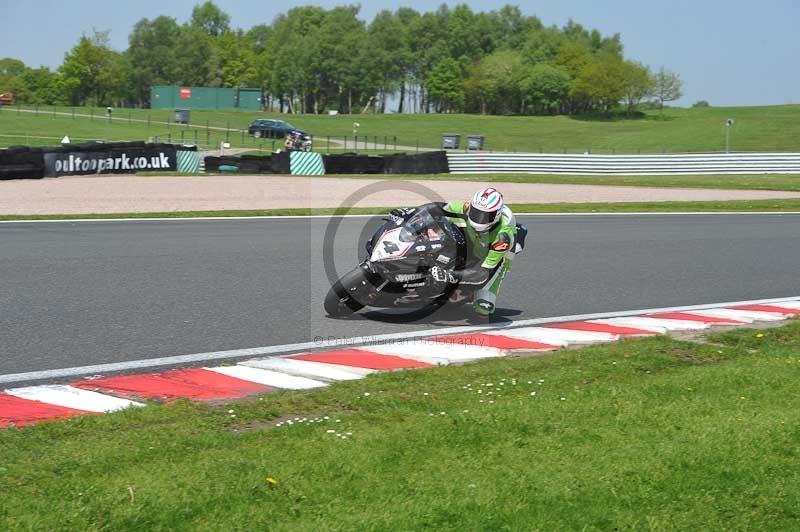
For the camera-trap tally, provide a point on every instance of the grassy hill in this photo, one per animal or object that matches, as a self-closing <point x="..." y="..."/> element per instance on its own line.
<point x="770" y="128"/>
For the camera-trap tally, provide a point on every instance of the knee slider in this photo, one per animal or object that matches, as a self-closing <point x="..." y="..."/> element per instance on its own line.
<point x="483" y="307"/>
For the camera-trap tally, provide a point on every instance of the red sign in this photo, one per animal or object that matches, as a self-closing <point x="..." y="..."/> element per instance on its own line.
<point x="186" y="93"/>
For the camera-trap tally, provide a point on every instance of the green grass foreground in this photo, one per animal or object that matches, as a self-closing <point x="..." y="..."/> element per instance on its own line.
<point x="642" y="434"/>
<point x="786" y="205"/>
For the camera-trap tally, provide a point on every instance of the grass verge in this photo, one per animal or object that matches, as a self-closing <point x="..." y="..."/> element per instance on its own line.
<point x="787" y="205"/>
<point x="656" y="434"/>
<point x="783" y="182"/>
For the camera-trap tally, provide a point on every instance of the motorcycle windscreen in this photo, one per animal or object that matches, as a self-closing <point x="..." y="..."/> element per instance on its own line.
<point x="421" y="226"/>
<point x="390" y="246"/>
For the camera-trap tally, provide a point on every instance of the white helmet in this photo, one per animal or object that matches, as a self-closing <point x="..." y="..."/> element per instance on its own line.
<point x="485" y="209"/>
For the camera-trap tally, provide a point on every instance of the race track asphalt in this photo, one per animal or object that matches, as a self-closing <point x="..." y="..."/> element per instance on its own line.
<point x="80" y="293"/>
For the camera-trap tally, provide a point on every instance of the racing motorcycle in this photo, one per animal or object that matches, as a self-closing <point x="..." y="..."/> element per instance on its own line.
<point x="296" y="141"/>
<point x="395" y="272"/>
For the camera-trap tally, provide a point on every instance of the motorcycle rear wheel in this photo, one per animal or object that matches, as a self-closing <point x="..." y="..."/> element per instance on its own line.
<point x="345" y="296"/>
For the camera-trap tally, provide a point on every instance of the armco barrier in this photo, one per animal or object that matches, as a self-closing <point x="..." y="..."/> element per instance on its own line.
<point x="710" y="163"/>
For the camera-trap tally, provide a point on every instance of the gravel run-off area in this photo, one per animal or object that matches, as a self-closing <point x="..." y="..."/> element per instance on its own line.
<point x="129" y="193"/>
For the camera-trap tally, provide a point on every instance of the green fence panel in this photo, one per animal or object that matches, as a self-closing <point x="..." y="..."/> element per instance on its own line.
<point x="306" y="163"/>
<point x="177" y="97"/>
<point x="188" y="162"/>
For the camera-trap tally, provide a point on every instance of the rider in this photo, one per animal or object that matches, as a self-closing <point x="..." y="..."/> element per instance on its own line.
<point x="491" y="233"/>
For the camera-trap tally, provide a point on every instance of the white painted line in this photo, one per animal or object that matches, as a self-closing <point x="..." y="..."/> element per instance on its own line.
<point x="298" y="217"/>
<point x="71" y="397"/>
<point x="307" y="368"/>
<point x="742" y="314"/>
<point x="435" y="352"/>
<point x="561" y="337"/>
<point x="192" y="218"/>
<point x="650" y="323"/>
<point x="274" y="379"/>
<point x="363" y="340"/>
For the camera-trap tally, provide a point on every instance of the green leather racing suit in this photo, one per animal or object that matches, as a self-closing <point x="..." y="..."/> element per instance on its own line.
<point x="489" y="255"/>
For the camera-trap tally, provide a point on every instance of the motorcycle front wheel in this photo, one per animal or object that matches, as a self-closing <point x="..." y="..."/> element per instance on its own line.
<point x="346" y="295"/>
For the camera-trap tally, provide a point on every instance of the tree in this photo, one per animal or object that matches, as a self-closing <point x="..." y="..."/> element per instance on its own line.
<point x="195" y="59"/>
<point x="493" y="84"/>
<point x="389" y="53"/>
<point x="601" y="83"/>
<point x="544" y="87"/>
<point x="344" y="67"/>
<point x="667" y="87"/>
<point x="445" y="86"/>
<point x="11" y="78"/>
<point x="43" y="86"/>
<point x="12" y="67"/>
<point x="211" y="19"/>
<point x="639" y="84"/>
<point x="543" y="44"/>
<point x="236" y="61"/>
<point x="152" y="53"/>
<point x="92" y="72"/>
<point x="429" y="45"/>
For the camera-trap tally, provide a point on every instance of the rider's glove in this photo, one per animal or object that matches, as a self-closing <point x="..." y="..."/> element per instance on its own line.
<point x="405" y="211"/>
<point x="441" y="275"/>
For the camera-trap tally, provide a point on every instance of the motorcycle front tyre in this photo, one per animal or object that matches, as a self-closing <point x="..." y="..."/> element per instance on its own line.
<point x="342" y="298"/>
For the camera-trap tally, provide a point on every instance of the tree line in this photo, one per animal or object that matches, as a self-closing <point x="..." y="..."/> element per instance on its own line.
<point x="312" y="59"/>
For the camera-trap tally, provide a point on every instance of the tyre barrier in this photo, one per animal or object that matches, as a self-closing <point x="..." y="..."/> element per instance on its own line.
<point x="277" y="163"/>
<point x="89" y="159"/>
<point x="345" y="163"/>
<point x="21" y="163"/>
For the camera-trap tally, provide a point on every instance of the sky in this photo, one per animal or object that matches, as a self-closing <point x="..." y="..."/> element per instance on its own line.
<point x="728" y="52"/>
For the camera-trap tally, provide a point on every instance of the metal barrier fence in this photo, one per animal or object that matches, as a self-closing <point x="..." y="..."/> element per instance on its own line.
<point x="709" y="163"/>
